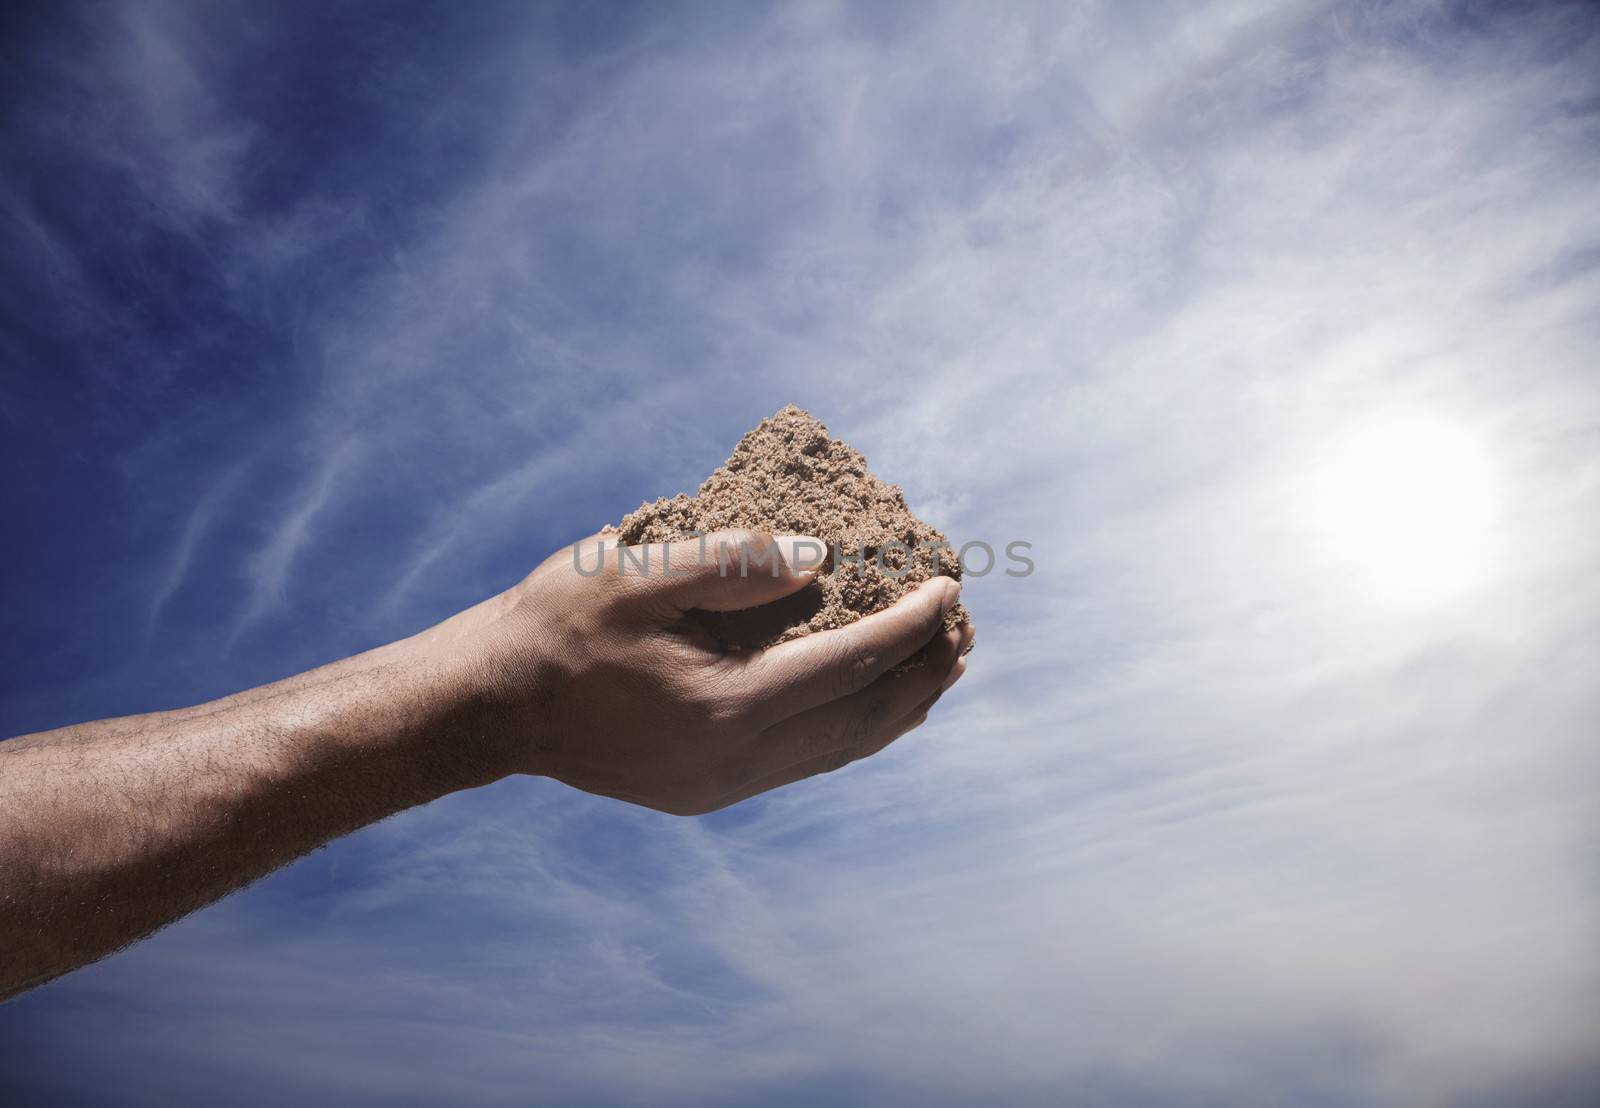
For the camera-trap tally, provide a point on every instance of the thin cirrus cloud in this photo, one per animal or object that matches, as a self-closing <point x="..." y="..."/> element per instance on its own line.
<point x="1208" y="820"/>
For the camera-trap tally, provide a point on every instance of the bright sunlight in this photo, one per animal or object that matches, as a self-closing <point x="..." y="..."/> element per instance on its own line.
<point x="1406" y="504"/>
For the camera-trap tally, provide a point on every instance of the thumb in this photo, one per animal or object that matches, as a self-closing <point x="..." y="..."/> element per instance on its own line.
<point x="729" y="570"/>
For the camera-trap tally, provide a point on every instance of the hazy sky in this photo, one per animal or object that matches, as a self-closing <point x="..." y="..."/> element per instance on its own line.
<point x="1273" y="328"/>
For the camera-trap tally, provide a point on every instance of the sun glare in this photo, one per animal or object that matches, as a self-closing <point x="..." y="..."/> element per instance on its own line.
<point x="1406" y="506"/>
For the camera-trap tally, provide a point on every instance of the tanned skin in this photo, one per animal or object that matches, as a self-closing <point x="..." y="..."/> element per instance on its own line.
<point x="583" y="672"/>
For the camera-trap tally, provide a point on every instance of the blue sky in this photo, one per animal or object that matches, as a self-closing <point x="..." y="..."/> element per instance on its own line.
<point x="321" y="322"/>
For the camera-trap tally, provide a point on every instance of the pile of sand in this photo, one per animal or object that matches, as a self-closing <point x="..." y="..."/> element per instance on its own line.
<point x="788" y="477"/>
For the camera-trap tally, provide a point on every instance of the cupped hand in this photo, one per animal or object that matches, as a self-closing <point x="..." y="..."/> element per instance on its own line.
<point x="597" y="676"/>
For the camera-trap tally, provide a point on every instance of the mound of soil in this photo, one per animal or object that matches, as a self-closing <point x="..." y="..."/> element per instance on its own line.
<point x="788" y="477"/>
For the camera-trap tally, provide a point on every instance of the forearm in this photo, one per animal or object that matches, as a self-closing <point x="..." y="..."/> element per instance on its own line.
<point x="110" y="830"/>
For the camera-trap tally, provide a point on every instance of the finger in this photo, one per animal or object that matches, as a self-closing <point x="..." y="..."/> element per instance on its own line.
<point x="955" y="674"/>
<point x="798" y="675"/>
<point x="723" y="571"/>
<point x="963" y="648"/>
<point x="852" y="722"/>
<point x="838" y="759"/>
<point x="968" y="634"/>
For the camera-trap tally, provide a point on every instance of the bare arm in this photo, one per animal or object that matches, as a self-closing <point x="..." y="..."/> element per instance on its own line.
<point x="111" y="829"/>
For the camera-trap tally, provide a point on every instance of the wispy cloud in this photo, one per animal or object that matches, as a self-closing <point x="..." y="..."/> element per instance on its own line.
<point x="291" y="532"/>
<point x="201" y="518"/>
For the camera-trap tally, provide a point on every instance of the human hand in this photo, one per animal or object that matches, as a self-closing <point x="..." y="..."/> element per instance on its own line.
<point x="112" y="828"/>
<point x="605" y="683"/>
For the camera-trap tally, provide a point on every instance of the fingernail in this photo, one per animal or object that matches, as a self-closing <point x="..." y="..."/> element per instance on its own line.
<point x="803" y="554"/>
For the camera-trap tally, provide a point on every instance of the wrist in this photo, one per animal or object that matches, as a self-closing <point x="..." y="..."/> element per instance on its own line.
<point x="480" y="674"/>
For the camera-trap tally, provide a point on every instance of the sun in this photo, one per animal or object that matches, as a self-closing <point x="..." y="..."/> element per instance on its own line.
<point x="1405" y="506"/>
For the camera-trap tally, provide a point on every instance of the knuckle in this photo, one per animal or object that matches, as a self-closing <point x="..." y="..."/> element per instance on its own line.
<point x="726" y="551"/>
<point x="869" y="718"/>
<point x="853" y="666"/>
<point x="825" y="737"/>
<point x="740" y="536"/>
